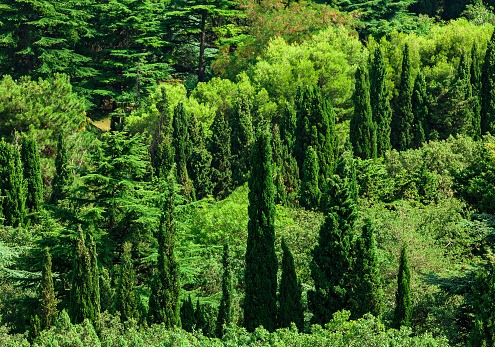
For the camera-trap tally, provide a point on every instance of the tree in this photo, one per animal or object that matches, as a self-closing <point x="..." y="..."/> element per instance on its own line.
<point x="187" y="317"/>
<point x="219" y="147"/>
<point x="362" y="132"/>
<point x="380" y="104"/>
<point x="488" y="88"/>
<point x="260" y="302"/>
<point x="63" y="174"/>
<point x="403" y="306"/>
<point x="462" y="97"/>
<point x="310" y="191"/>
<point x="290" y="304"/>
<point x="402" y="119"/>
<point x="165" y="288"/>
<point x="420" y="110"/>
<point x="12" y="185"/>
<point x="48" y="312"/>
<point x="225" y="311"/>
<point x="126" y="302"/>
<point x="241" y="139"/>
<point x="476" y="86"/>
<point x="32" y="176"/>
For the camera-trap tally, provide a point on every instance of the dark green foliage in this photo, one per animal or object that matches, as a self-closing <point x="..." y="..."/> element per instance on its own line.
<point x="219" y="147"/>
<point x="310" y="191"/>
<point x="260" y="302"/>
<point x="402" y="117"/>
<point x="32" y="176"/>
<point x="34" y="328"/>
<point x="488" y="88"/>
<point x="200" y="171"/>
<point x="367" y="296"/>
<point x="63" y="174"/>
<point x="462" y="96"/>
<point x="107" y="291"/>
<point x="48" y="302"/>
<point x="403" y="306"/>
<point x="420" y="111"/>
<point x="161" y="149"/>
<point x="362" y="132"/>
<point x="165" y="288"/>
<point x="12" y="185"/>
<point x="380" y="103"/>
<point x="241" y="139"/>
<point x="476" y="86"/>
<point x="164" y="156"/>
<point x="225" y="311"/>
<point x="187" y="316"/>
<point x="126" y="302"/>
<point x="290" y="308"/>
<point x="204" y="321"/>
<point x="84" y="291"/>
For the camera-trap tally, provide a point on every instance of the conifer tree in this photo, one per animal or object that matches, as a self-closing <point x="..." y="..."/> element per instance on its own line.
<point x="362" y="132"/>
<point x="219" y="147"/>
<point x="260" y="302"/>
<point x="403" y="306"/>
<point x="34" y="328"/>
<point x="462" y="95"/>
<point x="200" y="170"/>
<point x="225" y="311"/>
<point x="163" y="160"/>
<point x="367" y="291"/>
<point x="290" y="304"/>
<point x="187" y="316"/>
<point x="488" y="88"/>
<point x="200" y="317"/>
<point x="380" y="103"/>
<point x="165" y="289"/>
<point x="310" y="191"/>
<point x="63" y="174"/>
<point x="420" y="111"/>
<point x="126" y="302"/>
<point x="32" y="176"/>
<point x="12" y="185"/>
<point x="402" y="119"/>
<point x="476" y="85"/>
<point x="48" y="312"/>
<point x="241" y="137"/>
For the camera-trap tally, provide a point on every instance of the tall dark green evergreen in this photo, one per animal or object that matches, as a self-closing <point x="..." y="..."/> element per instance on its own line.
<point x="32" y="176"/>
<point x="290" y="307"/>
<point x="187" y="317"/>
<point x="362" y="132"/>
<point x="420" y="110"/>
<point x="126" y="302"/>
<point x="380" y="103"/>
<point x="200" y="171"/>
<point x="84" y="292"/>
<point x="402" y="118"/>
<point x="63" y="174"/>
<point x="260" y="302"/>
<point x="462" y="96"/>
<point x="48" y="312"/>
<point x="403" y="306"/>
<point x="225" y="311"/>
<point x="310" y="191"/>
<point x="241" y="139"/>
<point x="488" y="88"/>
<point x="165" y="288"/>
<point x="219" y="147"/>
<point x="476" y="85"/>
<point x="367" y="287"/>
<point x="12" y="185"/>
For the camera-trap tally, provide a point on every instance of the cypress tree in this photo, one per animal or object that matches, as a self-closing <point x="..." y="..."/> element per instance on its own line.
<point x="402" y="119"/>
<point x="12" y="185"/>
<point x="48" y="301"/>
<point x="462" y="95"/>
<point x="187" y="317"/>
<point x="200" y="169"/>
<point x="32" y="176"/>
<point x="310" y="192"/>
<point x="165" y="289"/>
<point x="488" y="88"/>
<point x="63" y="174"/>
<point x="199" y="315"/>
<point x="403" y="306"/>
<point x="476" y="85"/>
<point x="241" y="137"/>
<point x="219" y="147"/>
<point x="289" y="298"/>
<point x="225" y="311"/>
<point x="380" y="104"/>
<point x="420" y="111"/>
<point x="260" y="303"/>
<point x="126" y="302"/>
<point x="34" y="328"/>
<point x="362" y="132"/>
<point x="367" y="296"/>
<point x="164" y="157"/>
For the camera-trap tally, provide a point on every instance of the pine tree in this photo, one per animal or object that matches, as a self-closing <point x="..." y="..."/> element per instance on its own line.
<point x="290" y="304"/>
<point x="241" y="138"/>
<point x="310" y="192"/>
<point x="403" y="306"/>
<point x="219" y="147"/>
<point x="380" y="104"/>
<point x="63" y="174"/>
<point x="420" y="111"/>
<point x="32" y="176"/>
<point x="367" y="295"/>
<point x="225" y="311"/>
<point x="126" y="302"/>
<point x="260" y="302"/>
<point x="402" y="119"/>
<point x="187" y="317"/>
<point x="488" y="88"/>
<point x="476" y="85"/>
<point x="362" y="132"/>
<point x="12" y="185"/>
<point x="165" y="289"/>
<point x="48" y="300"/>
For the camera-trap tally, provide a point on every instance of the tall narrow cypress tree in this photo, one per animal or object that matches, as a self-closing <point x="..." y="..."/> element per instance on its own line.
<point x="12" y="185"/>
<point x="402" y="118"/>
<point x="63" y="174"/>
<point x="476" y="86"/>
<point x="165" y="289"/>
<point x="225" y="311"/>
<point x="241" y="137"/>
<point x="32" y="176"/>
<point x="362" y="132"/>
<point x="463" y="116"/>
<point x="403" y="306"/>
<point x="126" y="302"/>
<point x="48" y="312"/>
<point x="310" y="191"/>
<point x="380" y="103"/>
<point x="260" y="303"/>
<point x="187" y="317"/>
<point x="488" y="88"/>
<point x="290" y="308"/>
<point x="219" y="147"/>
<point x="420" y="111"/>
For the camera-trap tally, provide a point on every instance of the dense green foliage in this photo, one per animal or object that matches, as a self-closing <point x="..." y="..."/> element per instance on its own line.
<point x="403" y="306"/>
